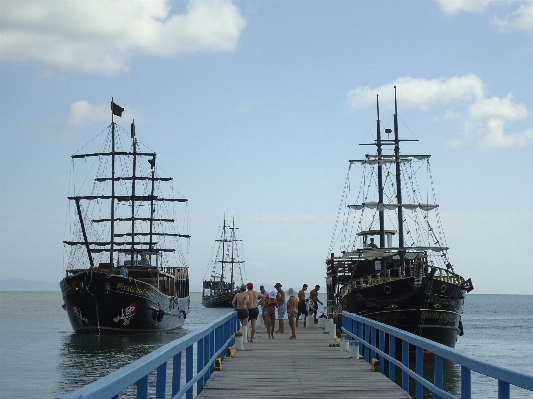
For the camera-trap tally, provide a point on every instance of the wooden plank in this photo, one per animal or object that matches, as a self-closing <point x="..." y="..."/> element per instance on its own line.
<point x="301" y="368"/>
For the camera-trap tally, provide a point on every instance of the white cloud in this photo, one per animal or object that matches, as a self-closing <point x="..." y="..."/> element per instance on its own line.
<point x="452" y="7"/>
<point x="521" y="19"/>
<point x="497" y="107"/>
<point x="101" y="36"/>
<point x="483" y="121"/>
<point x="81" y="113"/>
<point x="419" y="93"/>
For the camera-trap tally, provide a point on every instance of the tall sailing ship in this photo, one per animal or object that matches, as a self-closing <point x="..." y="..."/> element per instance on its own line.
<point x="126" y="269"/>
<point x="392" y="262"/>
<point x="225" y="269"/>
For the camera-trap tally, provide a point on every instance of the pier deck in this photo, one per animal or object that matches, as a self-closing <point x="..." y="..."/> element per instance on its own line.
<point x="306" y="367"/>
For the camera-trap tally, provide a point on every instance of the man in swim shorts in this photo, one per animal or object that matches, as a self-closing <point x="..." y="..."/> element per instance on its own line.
<point x="313" y="296"/>
<point x="282" y="308"/>
<point x="302" y="305"/>
<point x="253" y="310"/>
<point x="240" y="304"/>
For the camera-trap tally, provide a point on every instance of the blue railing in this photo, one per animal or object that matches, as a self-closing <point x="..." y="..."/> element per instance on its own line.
<point x="210" y="342"/>
<point x="379" y="339"/>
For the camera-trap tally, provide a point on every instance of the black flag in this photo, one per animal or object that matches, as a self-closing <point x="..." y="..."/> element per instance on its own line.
<point x="116" y="109"/>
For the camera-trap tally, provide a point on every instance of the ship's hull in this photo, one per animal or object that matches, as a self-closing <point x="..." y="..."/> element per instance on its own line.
<point x="219" y="300"/>
<point x="102" y="303"/>
<point x="429" y="308"/>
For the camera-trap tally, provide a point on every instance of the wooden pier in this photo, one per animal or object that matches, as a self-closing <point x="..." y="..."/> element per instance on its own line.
<point x="305" y="367"/>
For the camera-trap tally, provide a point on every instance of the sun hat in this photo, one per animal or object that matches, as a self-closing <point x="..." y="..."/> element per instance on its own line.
<point x="290" y="291"/>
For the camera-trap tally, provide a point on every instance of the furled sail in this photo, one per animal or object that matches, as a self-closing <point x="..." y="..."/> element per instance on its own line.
<point x="381" y="207"/>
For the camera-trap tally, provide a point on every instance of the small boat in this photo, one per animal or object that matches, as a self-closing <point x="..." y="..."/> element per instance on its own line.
<point x="392" y="262"/>
<point x="226" y="268"/>
<point x="126" y="269"/>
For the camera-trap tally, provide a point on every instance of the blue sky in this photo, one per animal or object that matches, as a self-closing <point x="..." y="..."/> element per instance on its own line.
<point x="255" y="108"/>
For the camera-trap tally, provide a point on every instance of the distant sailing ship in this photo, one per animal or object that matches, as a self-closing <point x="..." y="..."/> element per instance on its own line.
<point x="226" y="269"/>
<point x="126" y="270"/>
<point x="409" y="283"/>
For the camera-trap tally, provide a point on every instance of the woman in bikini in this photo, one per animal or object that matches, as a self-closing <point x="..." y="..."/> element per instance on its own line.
<point x="270" y="306"/>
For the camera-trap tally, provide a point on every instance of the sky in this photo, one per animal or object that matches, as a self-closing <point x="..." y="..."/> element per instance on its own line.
<point x="255" y="108"/>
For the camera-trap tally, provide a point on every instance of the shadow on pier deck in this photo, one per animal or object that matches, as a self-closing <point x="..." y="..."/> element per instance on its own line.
<point x="306" y="367"/>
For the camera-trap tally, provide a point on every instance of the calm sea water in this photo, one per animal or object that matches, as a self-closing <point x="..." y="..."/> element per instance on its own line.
<point x="40" y="357"/>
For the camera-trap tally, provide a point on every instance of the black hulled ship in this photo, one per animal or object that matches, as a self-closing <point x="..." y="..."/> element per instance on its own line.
<point x="225" y="270"/>
<point x="392" y="263"/>
<point x="126" y="270"/>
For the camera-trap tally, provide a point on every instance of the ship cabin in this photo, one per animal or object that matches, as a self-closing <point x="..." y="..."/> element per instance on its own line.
<point x="375" y="261"/>
<point x="171" y="281"/>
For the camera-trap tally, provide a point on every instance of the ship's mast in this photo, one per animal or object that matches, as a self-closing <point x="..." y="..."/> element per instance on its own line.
<point x="223" y="249"/>
<point x="380" y="181"/>
<point x="232" y="247"/>
<point x="398" y="183"/>
<point x="152" y="208"/>
<point x="133" y="175"/>
<point x="112" y="238"/>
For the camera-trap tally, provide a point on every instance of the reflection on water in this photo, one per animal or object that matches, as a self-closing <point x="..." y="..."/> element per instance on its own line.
<point x="86" y="358"/>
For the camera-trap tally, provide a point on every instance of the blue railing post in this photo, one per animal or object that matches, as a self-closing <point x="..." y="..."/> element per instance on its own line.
<point x="372" y="342"/>
<point x="419" y="389"/>
<point x="466" y="383"/>
<point x="367" y="339"/>
<point x="176" y="373"/>
<point x="199" y="364"/>
<point x="189" y="368"/>
<point x="405" y="362"/>
<point x="392" y="353"/>
<point x="207" y="356"/>
<point x="504" y="390"/>
<point x="142" y="388"/>
<point x="382" y="348"/>
<point x="161" y="382"/>
<point x="360" y="335"/>
<point x="438" y="377"/>
<point x="212" y="350"/>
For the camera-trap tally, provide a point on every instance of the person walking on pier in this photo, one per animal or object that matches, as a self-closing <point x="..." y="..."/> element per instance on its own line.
<point x="282" y="308"/>
<point x="262" y="302"/>
<point x="313" y="296"/>
<point x="292" y="309"/>
<point x="270" y="313"/>
<point x="302" y="305"/>
<point x="253" y="310"/>
<point x="240" y="304"/>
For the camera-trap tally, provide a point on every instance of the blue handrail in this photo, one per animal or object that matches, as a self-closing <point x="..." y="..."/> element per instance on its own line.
<point x="211" y="341"/>
<point x="365" y="331"/>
